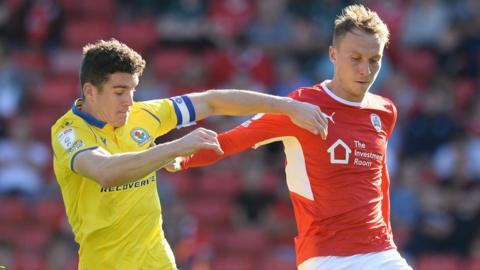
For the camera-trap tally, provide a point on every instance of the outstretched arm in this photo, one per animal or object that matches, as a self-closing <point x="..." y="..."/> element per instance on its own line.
<point x="243" y="102"/>
<point x="116" y="169"/>
<point x="233" y="141"/>
<point x="258" y="131"/>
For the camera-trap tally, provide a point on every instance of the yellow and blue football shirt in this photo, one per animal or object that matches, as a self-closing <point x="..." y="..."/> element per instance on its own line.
<point x="117" y="227"/>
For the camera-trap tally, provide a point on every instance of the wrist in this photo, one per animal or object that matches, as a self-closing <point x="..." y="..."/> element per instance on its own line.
<point x="290" y="106"/>
<point x="180" y="147"/>
<point x="172" y="149"/>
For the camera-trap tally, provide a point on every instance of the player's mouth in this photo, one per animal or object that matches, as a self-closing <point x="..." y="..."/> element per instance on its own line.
<point x="124" y="113"/>
<point x="125" y="110"/>
<point x="363" y="82"/>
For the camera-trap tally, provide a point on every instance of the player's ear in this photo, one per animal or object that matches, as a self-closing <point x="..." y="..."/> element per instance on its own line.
<point x="332" y="54"/>
<point x="88" y="90"/>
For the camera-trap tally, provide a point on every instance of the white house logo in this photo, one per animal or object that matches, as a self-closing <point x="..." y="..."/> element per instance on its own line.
<point x="140" y="136"/>
<point x="331" y="151"/>
<point x="377" y="124"/>
<point x="329" y="117"/>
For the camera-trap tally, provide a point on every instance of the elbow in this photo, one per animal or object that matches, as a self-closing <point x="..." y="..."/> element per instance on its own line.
<point x="106" y="183"/>
<point x="106" y="180"/>
<point x="211" y="101"/>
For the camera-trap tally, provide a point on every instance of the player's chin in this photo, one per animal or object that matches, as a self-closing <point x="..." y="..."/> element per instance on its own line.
<point x="120" y="121"/>
<point x="363" y="86"/>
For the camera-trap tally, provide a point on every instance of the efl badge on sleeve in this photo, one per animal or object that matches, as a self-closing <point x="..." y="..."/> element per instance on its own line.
<point x="255" y="117"/>
<point x="140" y="135"/>
<point x="66" y="137"/>
<point x="377" y="124"/>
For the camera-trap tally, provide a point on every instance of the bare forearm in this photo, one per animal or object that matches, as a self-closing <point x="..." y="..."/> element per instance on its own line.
<point x="129" y="167"/>
<point x="244" y="102"/>
<point x="112" y="170"/>
<point x="239" y="102"/>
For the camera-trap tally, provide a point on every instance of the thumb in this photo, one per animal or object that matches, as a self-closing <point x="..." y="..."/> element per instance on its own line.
<point x="219" y="150"/>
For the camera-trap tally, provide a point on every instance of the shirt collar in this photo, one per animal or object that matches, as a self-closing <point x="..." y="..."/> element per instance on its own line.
<point x="342" y="100"/>
<point x="85" y="116"/>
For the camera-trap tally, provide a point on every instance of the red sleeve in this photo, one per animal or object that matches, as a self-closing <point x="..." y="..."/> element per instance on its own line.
<point x="386" y="196"/>
<point x="394" y="119"/>
<point x="385" y="176"/>
<point x="260" y="129"/>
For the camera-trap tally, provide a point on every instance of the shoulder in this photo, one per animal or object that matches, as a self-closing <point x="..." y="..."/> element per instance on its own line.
<point x="385" y="109"/>
<point x="382" y="103"/>
<point x="68" y="128"/>
<point x="152" y="105"/>
<point x="307" y="93"/>
<point x="67" y="121"/>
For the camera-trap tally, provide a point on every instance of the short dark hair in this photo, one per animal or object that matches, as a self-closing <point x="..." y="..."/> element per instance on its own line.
<point x="103" y="58"/>
<point x="362" y="18"/>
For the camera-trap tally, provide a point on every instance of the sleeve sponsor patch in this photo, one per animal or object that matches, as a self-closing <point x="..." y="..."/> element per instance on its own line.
<point x="66" y="137"/>
<point x="75" y="146"/>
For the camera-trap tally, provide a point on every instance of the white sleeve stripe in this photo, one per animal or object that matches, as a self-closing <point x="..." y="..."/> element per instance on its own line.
<point x="296" y="169"/>
<point x="185" y="118"/>
<point x="185" y="113"/>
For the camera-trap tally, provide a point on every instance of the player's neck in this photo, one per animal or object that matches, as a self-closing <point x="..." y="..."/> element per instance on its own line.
<point x="338" y="90"/>
<point x="88" y="108"/>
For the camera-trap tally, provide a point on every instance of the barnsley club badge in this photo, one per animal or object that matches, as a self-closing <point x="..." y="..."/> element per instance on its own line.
<point x="140" y="135"/>
<point x="377" y="124"/>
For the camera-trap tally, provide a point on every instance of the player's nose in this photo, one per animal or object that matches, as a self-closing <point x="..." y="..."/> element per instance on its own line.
<point x="128" y="101"/>
<point x="364" y="68"/>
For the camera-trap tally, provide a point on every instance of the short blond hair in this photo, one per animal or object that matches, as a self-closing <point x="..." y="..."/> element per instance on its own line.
<point x="361" y="18"/>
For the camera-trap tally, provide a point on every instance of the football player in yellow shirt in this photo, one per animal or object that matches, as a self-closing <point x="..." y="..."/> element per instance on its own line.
<point x="105" y="160"/>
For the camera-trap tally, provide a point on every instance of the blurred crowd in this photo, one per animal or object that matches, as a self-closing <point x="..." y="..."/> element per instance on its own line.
<point x="237" y="214"/>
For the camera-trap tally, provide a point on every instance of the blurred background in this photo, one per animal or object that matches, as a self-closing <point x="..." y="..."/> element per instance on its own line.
<point x="236" y="215"/>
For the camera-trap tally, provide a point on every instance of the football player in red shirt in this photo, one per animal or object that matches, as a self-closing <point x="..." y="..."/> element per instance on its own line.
<point x="339" y="187"/>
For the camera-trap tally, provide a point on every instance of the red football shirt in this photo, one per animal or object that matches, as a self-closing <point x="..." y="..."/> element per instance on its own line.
<point x="338" y="186"/>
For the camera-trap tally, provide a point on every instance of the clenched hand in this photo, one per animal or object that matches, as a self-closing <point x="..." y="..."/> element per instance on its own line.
<point x="200" y="138"/>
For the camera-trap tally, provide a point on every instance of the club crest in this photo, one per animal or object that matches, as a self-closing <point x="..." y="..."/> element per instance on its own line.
<point x="140" y="135"/>
<point x="377" y="124"/>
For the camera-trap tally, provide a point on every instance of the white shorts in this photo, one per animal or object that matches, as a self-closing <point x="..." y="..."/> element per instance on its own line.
<point x="382" y="260"/>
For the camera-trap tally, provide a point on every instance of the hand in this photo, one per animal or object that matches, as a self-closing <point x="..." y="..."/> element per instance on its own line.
<point x="310" y="117"/>
<point x="174" y="165"/>
<point x="200" y="138"/>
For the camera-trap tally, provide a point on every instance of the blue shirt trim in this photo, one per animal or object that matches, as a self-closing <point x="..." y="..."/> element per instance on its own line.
<point x="191" y="109"/>
<point x="75" y="155"/>
<point x="87" y="117"/>
<point x="177" y="112"/>
<point x="153" y="115"/>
